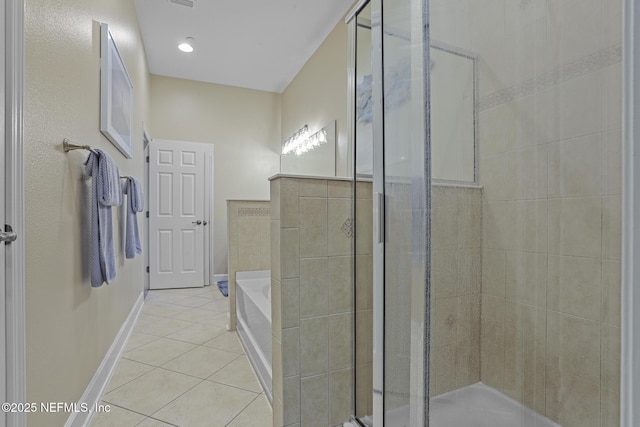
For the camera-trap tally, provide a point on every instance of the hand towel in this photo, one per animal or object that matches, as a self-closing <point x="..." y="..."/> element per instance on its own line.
<point x="105" y="192"/>
<point x="135" y="203"/>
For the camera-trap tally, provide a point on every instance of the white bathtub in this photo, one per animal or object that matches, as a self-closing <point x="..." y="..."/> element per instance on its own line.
<point x="253" y="309"/>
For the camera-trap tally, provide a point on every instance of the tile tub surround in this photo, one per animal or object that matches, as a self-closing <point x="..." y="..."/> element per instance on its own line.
<point x="312" y="300"/>
<point x="249" y="243"/>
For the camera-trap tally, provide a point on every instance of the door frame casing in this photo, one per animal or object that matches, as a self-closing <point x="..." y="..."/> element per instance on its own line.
<point x="14" y="208"/>
<point x="208" y="275"/>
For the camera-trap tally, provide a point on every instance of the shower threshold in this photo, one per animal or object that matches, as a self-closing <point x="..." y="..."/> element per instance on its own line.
<point x="477" y="405"/>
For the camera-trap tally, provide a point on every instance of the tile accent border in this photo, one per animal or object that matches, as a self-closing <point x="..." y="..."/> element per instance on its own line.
<point x="580" y="67"/>
<point x="254" y="211"/>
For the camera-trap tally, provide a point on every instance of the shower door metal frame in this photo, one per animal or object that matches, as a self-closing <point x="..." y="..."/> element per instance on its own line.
<point x="630" y="340"/>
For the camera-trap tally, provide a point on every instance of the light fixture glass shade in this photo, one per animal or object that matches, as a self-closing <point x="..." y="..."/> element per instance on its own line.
<point x="300" y="142"/>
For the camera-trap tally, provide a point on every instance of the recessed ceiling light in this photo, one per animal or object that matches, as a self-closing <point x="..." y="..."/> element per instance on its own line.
<point x="187" y="45"/>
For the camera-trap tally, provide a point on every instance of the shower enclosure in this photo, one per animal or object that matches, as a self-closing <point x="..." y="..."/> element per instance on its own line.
<point x="490" y="293"/>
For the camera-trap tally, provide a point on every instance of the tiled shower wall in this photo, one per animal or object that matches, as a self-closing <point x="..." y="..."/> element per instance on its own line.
<point x="549" y="87"/>
<point x="249" y="243"/>
<point x="312" y="300"/>
<point x="456" y="279"/>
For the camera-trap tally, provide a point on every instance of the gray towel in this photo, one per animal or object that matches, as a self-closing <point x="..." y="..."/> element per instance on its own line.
<point x="105" y="192"/>
<point x="135" y="203"/>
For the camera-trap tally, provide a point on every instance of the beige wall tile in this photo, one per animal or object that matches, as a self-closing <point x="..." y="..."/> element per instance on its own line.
<point x="276" y="370"/>
<point x="580" y="104"/>
<point x="340" y="284"/>
<point x="526" y="277"/>
<point x="493" y="318"/>
<point x="575" y="286"/>
<point x="291" y="402"/>
<point x="364" y="190"/>
<point x="444" y="273"/>
<point x="290" y="352"/>
<point x="340" y="341"/>
<point x="468" y="318"/>
<point x="339" y="243"/>
<point x="469" y="220"/>
<point x="314" y="401"/>
<point x="575" y="226"/>
<point x="340" y="396"/>
<point x="313" y="227"/>
<point x="364" y="335"/>
<point x="314" y="346"/>
<point x="364" y="226"/>
<point x="612" y="227"/>
<point x="493" y="177"/>
<point x="492" y="364"/>
<point x="612" y="162"/>
<point x="444" y="321"/>
<point x="290" y="303"/>
<point x="493" y="217"/>
<point x="444" y="227"/>
<point x="573" y="346"/>
<point x="571" y="400"/>
<point x="275" y="237"/>
<point x="494" y="272"/>
<point x="493" y="125"/>
<point x="312" y="187"/>
<point x="610" y="357"/>
<point x="276" y="309"/>
<point x="340" y="189"/>
<point x="314" y="287"/>
<point x="278" y="416"/>
<point x="364" y="396"/>
<point x="467" y="363"/>
<point x="610" y="407"/>
<point x="612" y="81"/>
<point x="289" y="203"/>
<point x="575" y="167"/>
<point x="611" y="292"/>
<point x="443" y="368"/>
<point x="290" y="253"/>
<point x="470" y="271"/>
<point x="275" y="202"/>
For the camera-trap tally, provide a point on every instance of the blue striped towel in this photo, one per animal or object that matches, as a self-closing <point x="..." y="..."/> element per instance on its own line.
<point x="106" y="191"/>
<point x="135" y="203"/>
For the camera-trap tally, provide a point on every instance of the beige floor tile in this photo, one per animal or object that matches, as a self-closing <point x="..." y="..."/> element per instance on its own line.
<point x="162" y="309"/>
<point x="217" y="305"/>
<point x="187" y="292"/>
<point x="166" y="298"/>
<point x="198" y="333"/>
<point x="158" y="352"/>
<point x="207" y="405"/>
<point x="201" y="362"/>
<point x="126" y="371"/>
<point x="227" y="341"/>
<point x="257" y="414"/>
<point x="162" y="327"/>
<point x="196" y="301"/>
<point x="116" y="417"/>
<point x="152" y="422"/>
<point x="197" y="315"/>
<point x="138" y="339"/>
<point x="151" y="391"/>
<point x="238" y="373"/>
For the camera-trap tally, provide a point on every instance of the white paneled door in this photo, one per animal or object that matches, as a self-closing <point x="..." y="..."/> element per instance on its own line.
<point x="179" y="211"/>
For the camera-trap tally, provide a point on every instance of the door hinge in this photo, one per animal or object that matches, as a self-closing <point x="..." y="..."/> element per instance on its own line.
<point x="147" y="269"/>
<point x="147" y="214"/>
<point x="8" y="235"/>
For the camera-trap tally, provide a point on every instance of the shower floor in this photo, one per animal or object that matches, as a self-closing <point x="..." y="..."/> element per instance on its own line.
<point x="477" y="405"/>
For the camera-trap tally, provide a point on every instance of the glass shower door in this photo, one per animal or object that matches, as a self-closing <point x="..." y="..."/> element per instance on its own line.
<point x="401" y="196"/>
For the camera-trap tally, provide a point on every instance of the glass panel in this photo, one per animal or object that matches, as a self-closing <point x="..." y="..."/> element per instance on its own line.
<point x="405" y="244"/>
<point x="525" y="315"/>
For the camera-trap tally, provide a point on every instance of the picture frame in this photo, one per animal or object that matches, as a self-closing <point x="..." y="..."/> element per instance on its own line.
<point x="116" y="95"/>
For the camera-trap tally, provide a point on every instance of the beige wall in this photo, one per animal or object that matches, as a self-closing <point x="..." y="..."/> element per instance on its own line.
<point x="243" y="125"/>
<point x="318" y="94"/>
<point x="70" y="325"/>
<point x="249" y="243"/>
<point x="312" y="301"/>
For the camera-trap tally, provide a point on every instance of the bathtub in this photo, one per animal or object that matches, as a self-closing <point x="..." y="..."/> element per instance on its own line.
<point x="253" y="310"/>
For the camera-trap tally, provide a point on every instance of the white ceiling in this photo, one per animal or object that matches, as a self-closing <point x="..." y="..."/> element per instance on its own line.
<point x="256" y="44"/>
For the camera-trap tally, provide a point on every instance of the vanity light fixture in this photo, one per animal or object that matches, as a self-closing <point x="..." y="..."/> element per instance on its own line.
<point x="301" y="142"/>
<point x="187" y="45"/>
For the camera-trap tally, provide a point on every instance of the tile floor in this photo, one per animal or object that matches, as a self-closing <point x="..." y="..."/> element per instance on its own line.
<point x="182" y="368"/>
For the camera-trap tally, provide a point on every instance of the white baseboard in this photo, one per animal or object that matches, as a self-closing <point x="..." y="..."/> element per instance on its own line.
<point x="98" y="384"/>
<point x="220" y="277"/>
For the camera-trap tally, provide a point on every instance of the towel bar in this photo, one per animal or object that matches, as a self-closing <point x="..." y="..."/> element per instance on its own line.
<point x="68" y="146"/>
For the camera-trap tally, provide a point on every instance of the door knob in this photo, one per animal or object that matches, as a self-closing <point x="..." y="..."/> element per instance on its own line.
<point x="204" y="222"/>
<point x="198" y="222"/>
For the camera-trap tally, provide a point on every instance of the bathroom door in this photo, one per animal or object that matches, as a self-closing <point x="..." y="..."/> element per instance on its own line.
<point x="179" y="223"/>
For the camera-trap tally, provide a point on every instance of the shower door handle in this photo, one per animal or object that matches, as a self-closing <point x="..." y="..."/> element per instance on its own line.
<point x="379" y="212"/>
